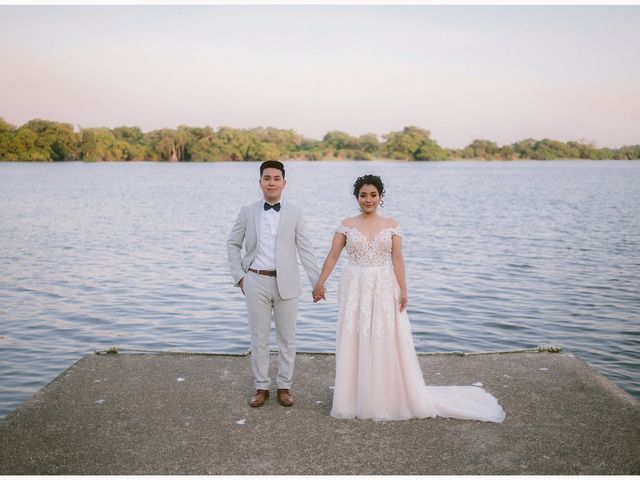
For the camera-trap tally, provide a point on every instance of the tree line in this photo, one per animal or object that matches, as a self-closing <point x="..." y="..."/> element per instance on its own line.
<point x="45" y="140"/>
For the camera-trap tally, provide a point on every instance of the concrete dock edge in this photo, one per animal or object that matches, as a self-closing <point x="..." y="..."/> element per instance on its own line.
<point x="157" y="414"/>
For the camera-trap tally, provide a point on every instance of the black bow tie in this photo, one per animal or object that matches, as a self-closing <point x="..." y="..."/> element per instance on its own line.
<point x="275" y="206"/>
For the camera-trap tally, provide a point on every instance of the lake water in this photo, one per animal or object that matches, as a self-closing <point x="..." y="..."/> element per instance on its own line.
<point x="500" y="255"/>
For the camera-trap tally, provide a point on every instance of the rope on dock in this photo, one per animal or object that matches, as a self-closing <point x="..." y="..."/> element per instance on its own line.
<point x="115" y="350"/>
<point x="538" y="349"/>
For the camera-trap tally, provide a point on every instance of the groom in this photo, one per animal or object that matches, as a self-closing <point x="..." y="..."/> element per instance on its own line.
<point x="267" y="274"/>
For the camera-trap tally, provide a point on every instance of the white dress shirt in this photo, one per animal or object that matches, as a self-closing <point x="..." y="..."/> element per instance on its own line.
<point x="266" y="252"/>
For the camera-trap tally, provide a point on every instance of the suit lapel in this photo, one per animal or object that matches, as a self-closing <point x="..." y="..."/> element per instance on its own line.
<point x="256" y="218"/>
<point x="283" y="219"/>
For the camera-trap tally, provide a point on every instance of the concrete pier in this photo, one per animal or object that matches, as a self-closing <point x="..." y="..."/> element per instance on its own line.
<point x="161" y="414"/>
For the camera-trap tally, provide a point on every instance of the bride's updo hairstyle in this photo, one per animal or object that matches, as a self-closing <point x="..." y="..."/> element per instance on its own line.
<point x="369" y="180"/>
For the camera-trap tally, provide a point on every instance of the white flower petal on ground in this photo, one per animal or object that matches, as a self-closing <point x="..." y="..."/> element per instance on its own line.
<point x="477" y="384"/>
<point x="100" y="402"/>
<point x="180" y="379"/>
<point x="242" y="421"/>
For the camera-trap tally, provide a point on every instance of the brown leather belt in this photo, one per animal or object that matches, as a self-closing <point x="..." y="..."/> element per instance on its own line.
<point x="269" y="273"/>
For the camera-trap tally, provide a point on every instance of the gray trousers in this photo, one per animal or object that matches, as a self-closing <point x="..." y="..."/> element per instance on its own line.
<point x="263" y="300"/>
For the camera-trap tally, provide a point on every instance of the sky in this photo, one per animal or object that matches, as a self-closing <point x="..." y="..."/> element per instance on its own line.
<point x="502" y="73"/>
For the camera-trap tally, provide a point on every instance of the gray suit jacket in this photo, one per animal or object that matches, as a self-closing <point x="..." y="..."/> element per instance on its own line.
<point x="292" y="236"/>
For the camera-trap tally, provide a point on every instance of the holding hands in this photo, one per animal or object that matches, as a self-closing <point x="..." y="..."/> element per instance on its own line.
<point x="319" y="293"/>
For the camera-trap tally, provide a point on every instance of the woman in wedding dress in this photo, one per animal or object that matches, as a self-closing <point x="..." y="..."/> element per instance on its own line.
<point x="377" y="371"/>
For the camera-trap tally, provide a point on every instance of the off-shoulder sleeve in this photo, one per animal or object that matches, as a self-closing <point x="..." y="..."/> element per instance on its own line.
<point x="396" y="231"/>
<point x="341" y="228"/>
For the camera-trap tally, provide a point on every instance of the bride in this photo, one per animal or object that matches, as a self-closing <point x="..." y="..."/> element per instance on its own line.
<point x="377" y="371"/>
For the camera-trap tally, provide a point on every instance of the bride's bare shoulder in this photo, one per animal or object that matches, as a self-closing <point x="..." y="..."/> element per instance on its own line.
<point x="349" y="222"/>
<point x="389" y="222"/>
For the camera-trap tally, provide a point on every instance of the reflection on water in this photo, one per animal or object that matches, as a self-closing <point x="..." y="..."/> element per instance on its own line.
<point x="499" y="255"/>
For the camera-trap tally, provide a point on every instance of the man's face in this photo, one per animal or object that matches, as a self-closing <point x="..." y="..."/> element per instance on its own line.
<point x="272" y="184"/>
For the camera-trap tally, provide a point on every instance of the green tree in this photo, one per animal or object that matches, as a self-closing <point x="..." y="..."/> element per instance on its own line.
<point x="524" y="148"/>
<point x="430" y="150"/>
<point x="261" y="152"/>
<point x="409" y="144"/>
<point x="548" y="149"/>
<point x="337" y="140"/>
<point x="507" y="152"/>
<point x="103" y="144"/>
<point x="171" y="145"/>
<point x="369" y="143"/>
<point x="54" y="141"/>
<point x="310" y="150"/>
<point x="628" y="152"/>
<point x="99" y="144"/>
<point x="236" y="143"/>
<point x="131" y="135"/>
<point x="286" y="142"/>
<point x="485" y="149"/>
<point x="23" y="146"/>
<point x="7" y="132"/>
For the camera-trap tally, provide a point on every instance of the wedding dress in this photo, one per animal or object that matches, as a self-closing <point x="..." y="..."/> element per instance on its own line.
<point x="377" y="371"/>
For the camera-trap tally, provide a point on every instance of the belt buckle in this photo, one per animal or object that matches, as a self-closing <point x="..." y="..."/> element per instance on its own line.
<point x="267" y="273"/>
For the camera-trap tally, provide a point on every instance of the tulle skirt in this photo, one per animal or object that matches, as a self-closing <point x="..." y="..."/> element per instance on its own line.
<point x="377" y="371"/>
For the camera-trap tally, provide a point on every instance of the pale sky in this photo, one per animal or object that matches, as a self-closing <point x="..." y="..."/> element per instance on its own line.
<point x="464" y="72"/>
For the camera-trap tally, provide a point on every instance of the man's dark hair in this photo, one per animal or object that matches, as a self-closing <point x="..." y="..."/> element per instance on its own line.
<point x="272" y="164"/>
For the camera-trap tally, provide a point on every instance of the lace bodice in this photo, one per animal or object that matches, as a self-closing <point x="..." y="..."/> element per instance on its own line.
<point x="368" y="253"/>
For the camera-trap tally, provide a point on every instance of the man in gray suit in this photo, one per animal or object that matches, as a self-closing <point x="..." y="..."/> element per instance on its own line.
<point x="272" y="231"/>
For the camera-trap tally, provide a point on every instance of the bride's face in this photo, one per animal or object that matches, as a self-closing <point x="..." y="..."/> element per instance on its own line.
<point x="368" y="199"/>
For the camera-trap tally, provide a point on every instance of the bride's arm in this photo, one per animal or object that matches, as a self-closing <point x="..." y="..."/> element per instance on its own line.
<point x="338" y="243"/>
<point x="398" y="269"/>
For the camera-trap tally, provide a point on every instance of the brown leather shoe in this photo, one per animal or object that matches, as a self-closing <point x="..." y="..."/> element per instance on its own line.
<point x="259" y="398"/>
<point x="284" y="397"/>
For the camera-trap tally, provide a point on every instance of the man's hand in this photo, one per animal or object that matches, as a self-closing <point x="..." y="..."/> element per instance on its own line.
<point x="242" y="285"/>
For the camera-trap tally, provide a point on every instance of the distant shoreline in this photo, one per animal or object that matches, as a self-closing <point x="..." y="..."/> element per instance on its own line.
<point x="49" y="141"/>
<point x="328" y="160"/>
